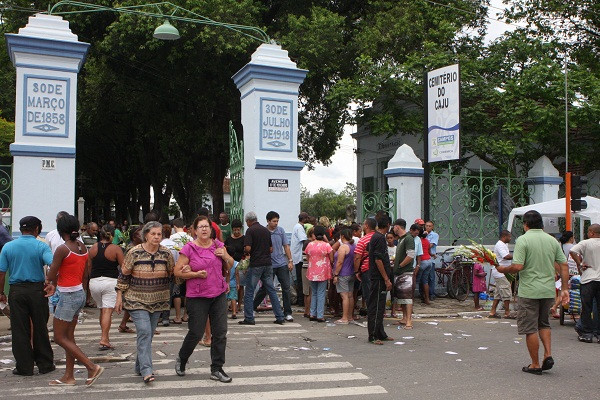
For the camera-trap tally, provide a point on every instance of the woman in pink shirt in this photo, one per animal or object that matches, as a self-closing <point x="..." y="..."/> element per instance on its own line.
<point x="200" y="263"/>
<point x="320" y="257"/>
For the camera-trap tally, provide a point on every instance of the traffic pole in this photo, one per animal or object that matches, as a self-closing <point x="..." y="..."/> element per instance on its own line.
<point x="568" y="222"/>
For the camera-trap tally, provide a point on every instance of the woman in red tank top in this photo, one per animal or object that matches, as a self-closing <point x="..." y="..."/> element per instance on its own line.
<point x="66" y="272"/>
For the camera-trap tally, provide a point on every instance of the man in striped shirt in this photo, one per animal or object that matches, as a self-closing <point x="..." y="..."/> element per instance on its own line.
<point x="361" y="258"/>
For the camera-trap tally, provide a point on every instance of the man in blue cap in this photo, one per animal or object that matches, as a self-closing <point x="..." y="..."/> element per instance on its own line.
<point x="24" y="259"/>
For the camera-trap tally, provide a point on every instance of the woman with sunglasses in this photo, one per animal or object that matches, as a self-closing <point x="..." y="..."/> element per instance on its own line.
<point x="203" y="264"/>
<point x="143" y="290"/>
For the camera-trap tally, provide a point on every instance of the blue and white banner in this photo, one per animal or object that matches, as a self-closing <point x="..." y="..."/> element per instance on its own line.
<point x="443" y="113"/>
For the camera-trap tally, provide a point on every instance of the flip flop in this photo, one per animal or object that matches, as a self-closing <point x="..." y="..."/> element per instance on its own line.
<point x="510" y="317"/>
<point x="177" y="322"/>
<point x="90" y="381"/>
<point x="341" y="322"/>
<point x="529" y="370"/>
<point x="494" y="316"/>
<point x="377" y="342"/>
<point x="548" y="363"/>
<point x="105" y="348"/>
<point x="185" y="319"/>
<point x="126" y="330"/>
<point x="58" y="382"/>
<point x="408" y="327"/>
<point x="205" y="344"/>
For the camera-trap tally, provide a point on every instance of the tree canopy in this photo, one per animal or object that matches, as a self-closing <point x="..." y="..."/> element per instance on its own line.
<point x="154" y="115"/>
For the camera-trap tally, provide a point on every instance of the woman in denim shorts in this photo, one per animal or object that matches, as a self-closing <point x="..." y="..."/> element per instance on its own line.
<point x="68" y="265"/>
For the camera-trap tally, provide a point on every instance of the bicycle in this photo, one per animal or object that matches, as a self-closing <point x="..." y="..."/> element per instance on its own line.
<point x="454" y="276"/>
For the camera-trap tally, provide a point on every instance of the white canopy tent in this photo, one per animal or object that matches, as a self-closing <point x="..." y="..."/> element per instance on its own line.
<point x="556" y="208"/>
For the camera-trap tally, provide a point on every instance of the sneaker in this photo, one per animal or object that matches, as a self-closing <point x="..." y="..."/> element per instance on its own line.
<point x="166" y="322"/>
<point x="220" y="376"/>
<point x="179" y="367"/>
<point x="289" y="318"/>
<point x="585" y="338"/>
<point x="246" y="322"/>
<point x="279" y="321"/>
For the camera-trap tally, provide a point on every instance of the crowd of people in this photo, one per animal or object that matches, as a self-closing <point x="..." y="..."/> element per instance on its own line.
<point x="209" y="272"/>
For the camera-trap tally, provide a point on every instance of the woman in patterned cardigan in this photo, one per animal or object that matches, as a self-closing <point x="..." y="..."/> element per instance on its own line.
<point x="143" y="290"/>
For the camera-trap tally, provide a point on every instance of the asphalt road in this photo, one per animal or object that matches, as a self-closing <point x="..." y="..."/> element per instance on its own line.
<point x="454" y="358"/>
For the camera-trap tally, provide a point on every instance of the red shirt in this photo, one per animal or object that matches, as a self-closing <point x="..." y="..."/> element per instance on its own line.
<point x="426" y="255"/>
<point x="361" y="249"/>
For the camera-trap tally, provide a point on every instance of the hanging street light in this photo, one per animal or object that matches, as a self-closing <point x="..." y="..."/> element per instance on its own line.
<point x="166" y="31"/>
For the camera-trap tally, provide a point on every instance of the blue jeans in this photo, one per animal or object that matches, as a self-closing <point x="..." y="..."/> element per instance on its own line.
<point x="265" y="275"/>
<point x="424" y="274"/>
<point x="432" y="280"/>
<point x="590" y="294"/>
<point x="283" y="276"/>
<point x="145" y="325"/>
<point x="317" y="300"/>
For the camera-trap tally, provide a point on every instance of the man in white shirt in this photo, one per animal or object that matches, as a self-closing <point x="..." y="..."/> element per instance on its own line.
<point x="503" y="290"/>
<point x="53" y="237"/>
<point x="587" y="256"/>
<point x="180" y="237"/>
<point x="297" y="245"/>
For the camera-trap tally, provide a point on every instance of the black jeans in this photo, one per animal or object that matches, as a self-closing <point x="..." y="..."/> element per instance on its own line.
<point x="199" y="309"/>
<point x="299" y="288"/>
<point x="589" y="292"/>
<point x="29" y="306"/>
<point x="376" y="309"/>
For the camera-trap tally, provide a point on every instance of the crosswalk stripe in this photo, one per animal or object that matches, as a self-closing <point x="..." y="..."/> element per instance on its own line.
<point x="193" y="383"/>
<point x="283" y="394"/>
<point x="268" y="368"/>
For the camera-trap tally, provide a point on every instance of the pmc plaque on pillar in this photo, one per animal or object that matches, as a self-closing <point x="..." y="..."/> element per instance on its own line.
<point x="48" y="57"/>
<point x="269" y="86"/>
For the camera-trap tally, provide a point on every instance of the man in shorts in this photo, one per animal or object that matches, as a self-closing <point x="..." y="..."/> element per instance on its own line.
<point x="403" y="271"/>
<point x="503" y="290"/>
<point x="534" y="257"/>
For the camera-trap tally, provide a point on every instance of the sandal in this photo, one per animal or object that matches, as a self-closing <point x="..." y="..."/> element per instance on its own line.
<point x="90" y="381"/>
<point x="408" y="326"/>
<point x="529" y="370"/>
<point x="510" y="316"/>
<point x="126" y="329"/>
<point x="184" y="319"/>
<point x="104" y="347"/>
<point x="548" y="363"/>
<point x="494" y="316"/>
<point x="149" y="378"/>
<point x="58" y="382"/>
<point x="176" y="322"/>
<point x="341" y="322"/>
<point x="377" y="342"/>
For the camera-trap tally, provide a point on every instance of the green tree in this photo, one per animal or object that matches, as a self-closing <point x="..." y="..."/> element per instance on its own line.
<point x="7" y="136"/>
<point x="326" y="202"/>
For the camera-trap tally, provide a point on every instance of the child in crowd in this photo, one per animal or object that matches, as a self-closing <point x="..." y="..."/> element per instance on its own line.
<point x="479" y="284"/>
<point x="234" y="286"/>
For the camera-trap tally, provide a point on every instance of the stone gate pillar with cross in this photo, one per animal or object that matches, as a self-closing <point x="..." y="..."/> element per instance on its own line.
<point x="48" y="57"/>
<point x="269" y="86"/>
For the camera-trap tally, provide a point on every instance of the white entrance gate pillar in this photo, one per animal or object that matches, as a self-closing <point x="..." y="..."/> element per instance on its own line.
<point x="48" y="58"/>
<point x="405" y="174"/>
<point x="269" y="86"/>
<point x="545" y="180"/>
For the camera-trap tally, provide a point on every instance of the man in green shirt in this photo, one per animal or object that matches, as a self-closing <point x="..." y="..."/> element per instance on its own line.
<point x="224" y="225"/>
<point x="534" y="258"/>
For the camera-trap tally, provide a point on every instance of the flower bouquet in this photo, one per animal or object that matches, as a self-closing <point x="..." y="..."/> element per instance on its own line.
<point x="479" y="253"/>
<point x="243" y="264"/>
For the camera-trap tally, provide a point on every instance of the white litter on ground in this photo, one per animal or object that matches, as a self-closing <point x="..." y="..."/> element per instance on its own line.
<point x="451" y="352"/>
